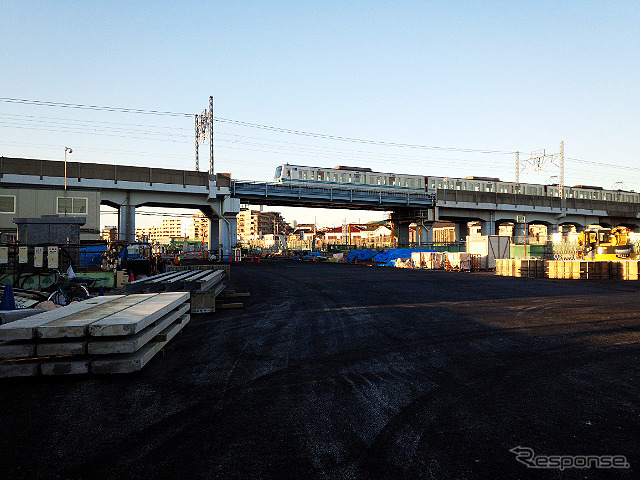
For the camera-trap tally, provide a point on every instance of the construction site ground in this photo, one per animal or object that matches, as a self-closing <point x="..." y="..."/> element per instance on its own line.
<point x="337" y="371"/>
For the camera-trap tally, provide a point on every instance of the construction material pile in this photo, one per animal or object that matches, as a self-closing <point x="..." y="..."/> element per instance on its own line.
<point x="520" y="267"/>
<point x="110" y="334"/>
<point x="568" y="269"/>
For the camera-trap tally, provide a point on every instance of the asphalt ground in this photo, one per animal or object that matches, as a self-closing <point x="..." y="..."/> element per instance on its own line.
<point x="346" y="371"/>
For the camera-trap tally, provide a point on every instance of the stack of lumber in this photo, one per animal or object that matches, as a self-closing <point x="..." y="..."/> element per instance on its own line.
<point x="627" y="269"/>
<point x="111" y="334"/>
<point x="585" y="269"/>
<point x="521" y="267"/>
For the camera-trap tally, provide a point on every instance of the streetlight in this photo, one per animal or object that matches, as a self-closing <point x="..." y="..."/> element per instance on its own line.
<point x="66" y="150"/>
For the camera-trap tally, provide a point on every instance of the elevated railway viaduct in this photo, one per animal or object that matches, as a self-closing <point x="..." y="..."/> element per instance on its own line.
<point x="219" y="196"/>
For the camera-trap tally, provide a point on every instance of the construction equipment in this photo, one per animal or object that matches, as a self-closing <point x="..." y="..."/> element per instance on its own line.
<point x="599" y="243"/>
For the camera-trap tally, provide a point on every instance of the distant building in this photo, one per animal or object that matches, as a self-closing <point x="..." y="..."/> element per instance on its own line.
<point x="252" y="223"/>
<point x="110" y="233"/>
<point x="199" y="228"/>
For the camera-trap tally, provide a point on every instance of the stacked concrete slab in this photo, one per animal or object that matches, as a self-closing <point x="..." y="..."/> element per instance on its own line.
<point x="204" y="285"/>
<point x="111" y="334"/>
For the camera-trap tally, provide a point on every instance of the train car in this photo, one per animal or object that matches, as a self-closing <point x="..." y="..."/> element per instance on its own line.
<point x="352" y="177"/>
<point x="365" y="178"/>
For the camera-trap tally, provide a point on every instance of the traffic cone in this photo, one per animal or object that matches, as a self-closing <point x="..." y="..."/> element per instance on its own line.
<point x="231" y="258"/>
<point x="258" y="258"/>
<point x="131" y="277"/>
<point x="8" y="300"/>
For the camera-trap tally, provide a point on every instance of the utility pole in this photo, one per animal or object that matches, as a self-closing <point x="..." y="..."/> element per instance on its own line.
<point x="66" y="150"/>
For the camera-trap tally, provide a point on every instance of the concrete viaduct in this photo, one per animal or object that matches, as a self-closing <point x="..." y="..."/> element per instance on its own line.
<point x="219" y="198"/>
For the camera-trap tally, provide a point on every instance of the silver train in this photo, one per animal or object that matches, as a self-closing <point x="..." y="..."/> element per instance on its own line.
<point x="365" y="178"/>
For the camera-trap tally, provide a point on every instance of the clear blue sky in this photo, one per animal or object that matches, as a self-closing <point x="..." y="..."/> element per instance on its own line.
<point x="501" y="76"/>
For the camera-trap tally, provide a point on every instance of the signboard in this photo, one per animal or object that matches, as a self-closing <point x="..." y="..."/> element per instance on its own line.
<point x="521" y="219"/>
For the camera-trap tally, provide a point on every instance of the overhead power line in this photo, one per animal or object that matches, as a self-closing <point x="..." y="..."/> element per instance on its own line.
<point x="43" y="103"/>
<point x="251" y="125"/>
<point x="358" y="140"/>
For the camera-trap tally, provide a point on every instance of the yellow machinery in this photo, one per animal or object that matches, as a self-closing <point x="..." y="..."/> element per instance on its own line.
<point x="600" y="243"/>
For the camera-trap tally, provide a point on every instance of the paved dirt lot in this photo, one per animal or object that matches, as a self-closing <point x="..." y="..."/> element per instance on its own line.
<point x="346" y="371"/>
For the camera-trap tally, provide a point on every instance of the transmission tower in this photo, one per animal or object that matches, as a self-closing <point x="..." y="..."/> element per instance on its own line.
<point x="538" y="161"/>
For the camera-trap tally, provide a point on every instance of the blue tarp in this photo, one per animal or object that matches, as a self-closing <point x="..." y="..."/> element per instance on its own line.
<point x="91" y="255"/>
<point x="361" y="255"/>
<point x="388" y="257"/>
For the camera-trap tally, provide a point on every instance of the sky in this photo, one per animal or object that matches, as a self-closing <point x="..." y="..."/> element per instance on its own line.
<point x="462" y="85"/>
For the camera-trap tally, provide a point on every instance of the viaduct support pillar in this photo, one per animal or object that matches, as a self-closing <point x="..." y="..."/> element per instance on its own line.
<point x="461" y="232"/>
<point x="228" y="235"/>
<point x="127" y="223"/>
<point x="401" y="233"/>
<point x="214" y="233"/>
<point x="488" y="227"/>
<point x="424" y="233"/>
<point x="519" y="233"/>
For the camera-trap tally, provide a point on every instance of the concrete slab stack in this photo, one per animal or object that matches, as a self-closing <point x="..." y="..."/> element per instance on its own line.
<point x="111" y="334"/>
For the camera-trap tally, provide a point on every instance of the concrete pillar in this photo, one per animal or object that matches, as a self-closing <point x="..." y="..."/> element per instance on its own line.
<point x="424" y="233"/>
<point x="518" y="233"/>
<point x="228" y="235"/>
<point x="462" y="230"/>
<point x="214" y="233"/>
<point x="488" y="227"/>
<point x="401" y="234"/>
<point x="127" y="223"/>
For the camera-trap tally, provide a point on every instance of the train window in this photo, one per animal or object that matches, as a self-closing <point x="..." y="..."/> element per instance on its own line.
<point x="439" y="184"/>
<point x="356" y="178"/>
<point x="433" y="184"/>
<point x="335" y="177"/>
<point x="420" y="183"/>
<point x="406" y="183"/>
<point x="304" y="174"/>
<point x="278" y="172"/>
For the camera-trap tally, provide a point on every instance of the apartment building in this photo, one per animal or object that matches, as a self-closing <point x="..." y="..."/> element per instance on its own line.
<point x="253" y="223"/>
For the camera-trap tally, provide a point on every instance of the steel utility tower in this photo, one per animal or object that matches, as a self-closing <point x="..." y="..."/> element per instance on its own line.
<point x="203" y="127"/>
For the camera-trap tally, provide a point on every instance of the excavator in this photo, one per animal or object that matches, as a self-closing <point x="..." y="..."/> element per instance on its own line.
<point x="600" y="243"/>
